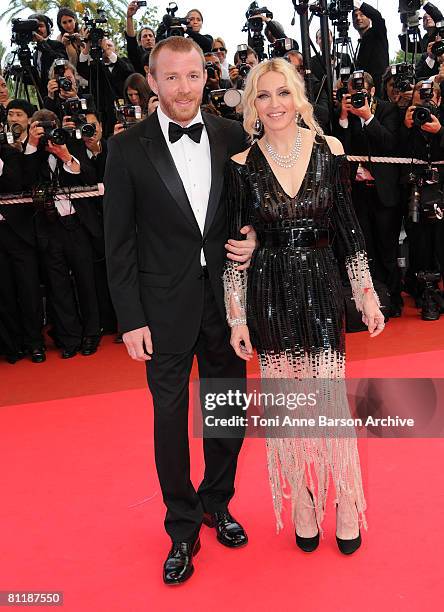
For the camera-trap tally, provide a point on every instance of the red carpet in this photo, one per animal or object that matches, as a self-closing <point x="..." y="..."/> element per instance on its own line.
<point x="82" y="512"/>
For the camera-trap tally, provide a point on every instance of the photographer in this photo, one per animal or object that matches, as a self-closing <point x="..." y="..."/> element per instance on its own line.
<point x="251" y="60"/>
<point x="47" y="50"/>
<point x="143" y="43"/>
<point x="220" y="49"/>
<point x="106" y="77"/>
<point x="320" y="103"/>
<point x="338" y="60"/>
<point x="19" y="113"/>
<point x="205" y="41"/>
<point x="431" y="15"/>
<point x="21" y="308"/>
<point x="373" y="54"/>
<point x="399" y="93"/>
<point x="422" y="137"/>
<point x="64" y="232"/>
<point x="370" y="127"/>
<point x="63" y="84"/>
<point x="137" y="93"/>
<point x="97" y="150"/>
<point x="431" y="60"/>
<point x="70" y="35"/>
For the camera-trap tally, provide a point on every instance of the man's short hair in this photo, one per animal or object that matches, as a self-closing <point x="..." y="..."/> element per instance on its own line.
<point x="177" y="44"/>
<point x="45" y="115"/>
<point x="23" y="105"/>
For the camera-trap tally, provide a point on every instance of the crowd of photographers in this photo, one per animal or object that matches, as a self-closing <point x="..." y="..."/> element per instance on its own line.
<point x="52" y="262"/>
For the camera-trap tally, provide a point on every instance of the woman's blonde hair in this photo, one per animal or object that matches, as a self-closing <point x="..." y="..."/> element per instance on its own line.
<point x="295" y="84"/>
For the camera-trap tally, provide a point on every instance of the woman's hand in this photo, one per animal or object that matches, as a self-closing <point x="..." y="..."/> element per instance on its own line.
<point x="372" y="315"/>
<point x="240" y="341"/>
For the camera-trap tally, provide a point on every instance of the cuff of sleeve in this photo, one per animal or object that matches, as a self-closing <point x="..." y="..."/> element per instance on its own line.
<point x="357" y="3"/>
<point x="1" y="166"/>
<point x="430" y="62"/>
<point x="67" y="166"/>
<point x="343" y="123"/>
<point x="369" y="120"/>
<point x="83" y="57"/>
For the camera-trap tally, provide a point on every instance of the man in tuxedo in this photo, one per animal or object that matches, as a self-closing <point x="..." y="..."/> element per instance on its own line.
<point x="373" y="49"/>
<point x="165" y="231"/>
<point x="373" y="130"/>
<point x="21" y="308"/>
<point x="64" y="233"/>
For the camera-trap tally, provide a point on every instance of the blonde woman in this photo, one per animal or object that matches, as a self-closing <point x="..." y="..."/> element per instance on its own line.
<point x="292" y="185"/>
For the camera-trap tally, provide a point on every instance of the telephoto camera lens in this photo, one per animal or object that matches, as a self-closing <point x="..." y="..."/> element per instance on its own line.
<point x="358" y="99"/>
<point x="64" y="83"/>
<point x="421" y="115"/>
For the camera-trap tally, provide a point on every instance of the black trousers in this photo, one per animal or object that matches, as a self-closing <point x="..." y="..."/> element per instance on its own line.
<point x="381" y="226"/>
<point x="69" y="249"/>
<point x="168" y="379"/>
<point x="21" y="307"/>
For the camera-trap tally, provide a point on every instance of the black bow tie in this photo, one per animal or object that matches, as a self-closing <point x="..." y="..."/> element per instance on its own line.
<point x="175" y="132"/>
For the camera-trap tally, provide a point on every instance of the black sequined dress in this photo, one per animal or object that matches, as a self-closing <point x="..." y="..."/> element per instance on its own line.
<point x="293" y="301"/>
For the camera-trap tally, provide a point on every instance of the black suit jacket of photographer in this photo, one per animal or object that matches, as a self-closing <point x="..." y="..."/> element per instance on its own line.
<point x="50" y="50"/>
<point x="373" y="53"/>
<point x="18" y="216"/>
<point x="318" y="69"/>
<point x="378" y="138"/>
<point x="152" y="239"/>
<point x="37" y="171"/>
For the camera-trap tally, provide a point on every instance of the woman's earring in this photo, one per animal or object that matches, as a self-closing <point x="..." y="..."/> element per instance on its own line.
<point x="258" y="126"/>
<point x="297" y="117"/>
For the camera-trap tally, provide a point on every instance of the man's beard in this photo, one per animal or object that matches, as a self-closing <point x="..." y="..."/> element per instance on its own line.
<point x="181" y="115"/>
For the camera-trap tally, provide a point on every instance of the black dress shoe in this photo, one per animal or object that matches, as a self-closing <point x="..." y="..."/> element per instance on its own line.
<point x="178" y="566"/>
<point x="67" y="353"/>
<point x="90" y="345"/>
<point x="308" y="544"/>
<point x="229" y="532"/>
<point x="348" y="547"/>
<point x="395" y="310"/>
<point x="38" y="355"/>
<point x="14" y="357"/>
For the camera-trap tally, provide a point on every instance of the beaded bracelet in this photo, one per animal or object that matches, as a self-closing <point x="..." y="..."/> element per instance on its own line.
<point x="239" y="321"/>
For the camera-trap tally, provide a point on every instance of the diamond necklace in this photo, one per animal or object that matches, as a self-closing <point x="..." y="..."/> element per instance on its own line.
<point x="286" y="161"/>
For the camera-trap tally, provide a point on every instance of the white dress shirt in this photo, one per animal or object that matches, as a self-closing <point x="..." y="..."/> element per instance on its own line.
<point x="193" y="163"/>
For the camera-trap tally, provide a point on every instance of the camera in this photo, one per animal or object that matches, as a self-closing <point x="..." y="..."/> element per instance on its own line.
<point x="127" y="114"/>
<point x="254" y="21"/>
<point x="59" y="74"/>
<point x="438" y="47"/>
<point x="96" y="34"/>
<point x="243" y="67"/>
<point x="344" y="76"/>
<point x="282" y="46"/>
<point x="75" y="109"/>
<point x="358" y="99"/>
<point x="172" y="25"/>
<point x="212" y="70"/>
<point x="226" y="100"/>
<point x="52" y="133"/>
<point x="403" y="76"/>
<point x="23" y="31"/>
<point x="423" y="114"/>
<point x="5" y="136"/>
<point x="141" y="3"/>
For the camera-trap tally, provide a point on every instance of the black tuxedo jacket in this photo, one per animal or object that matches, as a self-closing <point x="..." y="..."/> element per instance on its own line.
<point x="18" y="216"/>
<point x="152" y="238"/>
<point x="378" y="138"/>
<point x="37" y="171"/>
<point x="373" y="54"/>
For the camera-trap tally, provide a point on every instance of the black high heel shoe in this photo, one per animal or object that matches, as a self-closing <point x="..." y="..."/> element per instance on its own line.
<point x="348" y="547"/>
<point x="308" y="544"/>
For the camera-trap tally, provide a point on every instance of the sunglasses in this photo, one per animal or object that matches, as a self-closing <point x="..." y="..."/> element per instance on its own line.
<point x="216" y="49"/>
